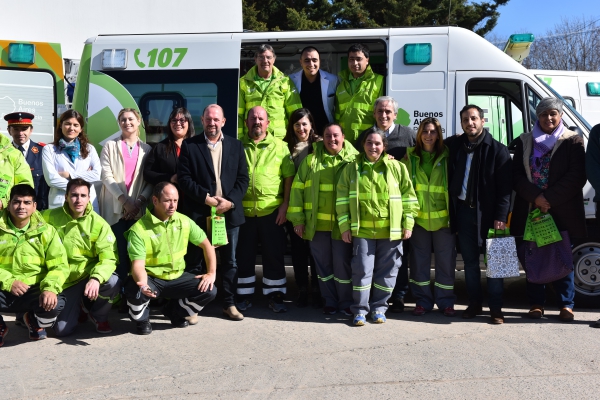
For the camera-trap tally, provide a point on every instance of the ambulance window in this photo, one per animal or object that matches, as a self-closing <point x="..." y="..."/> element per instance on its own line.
<point x="516" y="118"/>
<point x="532" y="102"/>
<point x="570" y="101"/>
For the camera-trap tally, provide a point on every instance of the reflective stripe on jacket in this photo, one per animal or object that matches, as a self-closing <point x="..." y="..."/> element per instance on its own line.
<point x="354" y="111"/>
<point x="90" y="244"/>
<point x="376" y="214"/>
<point x="432" y="192"/>
<point x="269" y="163"/>
<point x="37" y="256"/>
<point x="166" y="244"/>
<point x="280" y="99"/>
<point x="13" y="169"/>
<point x="312" y="199"/>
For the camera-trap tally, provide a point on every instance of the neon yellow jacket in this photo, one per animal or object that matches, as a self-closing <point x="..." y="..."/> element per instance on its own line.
<point x="432" y="192"/>
<point x="165" y="243"/>
<point x="312" y="199"/>
<point x="376" y="200"/>
<point x="354" y="111"/>
<point x="13" y="169"/>
<point x="90" y="244"/>
<point x="280" y="99"/>
<point x="269" y="163"/>
<point x="38" y="256"/>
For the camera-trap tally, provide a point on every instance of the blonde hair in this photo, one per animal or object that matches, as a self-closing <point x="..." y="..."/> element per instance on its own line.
<point x="134" y="112"/>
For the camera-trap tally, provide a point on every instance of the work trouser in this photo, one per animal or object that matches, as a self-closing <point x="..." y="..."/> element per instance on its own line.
<point x="69" y="317"/>
<point x="185" y="299"/>
<point x="271" y="237"/>
<point x="30" y="302"/>
<point x="401" y="287"/>
<point x="375" y="264"/>
<point x="420" y="267"/>
<point x="119" y="229"/>
<point x="332" y="261"/>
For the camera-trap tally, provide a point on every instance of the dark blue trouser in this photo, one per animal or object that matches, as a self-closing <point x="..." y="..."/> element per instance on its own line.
<point x="301" y="259"/>
<point x="401" y="288"/>
<point x="564" y="288"/>
<point x="468" y="239"/>
<point x="119" y="229"/>
<point x="30" y="302"/>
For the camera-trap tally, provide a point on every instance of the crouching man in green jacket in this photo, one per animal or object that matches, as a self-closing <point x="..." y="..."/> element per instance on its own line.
<point x="33" y="265"/>
<point x="91" y="250"/>
<point x="156" y="244"/>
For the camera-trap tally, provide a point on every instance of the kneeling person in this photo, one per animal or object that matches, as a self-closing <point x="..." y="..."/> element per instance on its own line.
<point x="33" y="265"/>
<point x="156" y="246"/>
<point x="91" y="250"/>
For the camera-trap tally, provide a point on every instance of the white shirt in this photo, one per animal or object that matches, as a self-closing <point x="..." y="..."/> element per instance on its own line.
<point x="211" y="144"/>
<point x="25" y="147"/>
<point x="389" y="131"/>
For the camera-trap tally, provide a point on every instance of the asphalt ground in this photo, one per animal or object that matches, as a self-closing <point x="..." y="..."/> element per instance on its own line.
<point x="305" y="354"/>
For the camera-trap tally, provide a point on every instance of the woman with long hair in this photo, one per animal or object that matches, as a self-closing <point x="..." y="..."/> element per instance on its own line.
<point x="300" y="136"/>
<point x="427" y="164"/>
<point x="124" y="193"/>
<point x="161" y="163"/>
<point x="70" y="156"/>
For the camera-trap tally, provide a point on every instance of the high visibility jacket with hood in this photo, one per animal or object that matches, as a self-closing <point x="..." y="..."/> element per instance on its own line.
<point x="269" y="163"/>
<point x="312" y="199"/>
<point x="354" y="110"/>
<point x="376" y="200"/>
<point x="279" y="99"/>
<point x="37" y="256"/>
<point x="13" y="169"/>
<point x="432" y="192"/>
<point x="89" y="241"/>
<point x="165" y="243"/>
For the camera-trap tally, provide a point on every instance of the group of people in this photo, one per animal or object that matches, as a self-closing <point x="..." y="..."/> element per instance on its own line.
<point x="319" y="159"/>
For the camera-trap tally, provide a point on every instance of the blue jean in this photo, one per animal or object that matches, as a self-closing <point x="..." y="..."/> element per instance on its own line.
<point x="564" y="288"/>
<point x="468" y="239"/>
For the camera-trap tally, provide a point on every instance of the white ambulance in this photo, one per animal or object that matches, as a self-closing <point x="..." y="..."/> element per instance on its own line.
<point x="430" y="71"/>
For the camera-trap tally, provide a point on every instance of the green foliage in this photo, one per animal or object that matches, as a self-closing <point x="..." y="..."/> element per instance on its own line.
<point x="274" y="15"/>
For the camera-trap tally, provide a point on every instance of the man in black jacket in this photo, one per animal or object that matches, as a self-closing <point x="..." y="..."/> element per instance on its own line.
<point x="480" y="186"/>
<point x="212" y="172"/>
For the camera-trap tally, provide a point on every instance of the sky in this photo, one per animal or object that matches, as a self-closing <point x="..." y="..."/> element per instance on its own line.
<point x="539" y="16"/>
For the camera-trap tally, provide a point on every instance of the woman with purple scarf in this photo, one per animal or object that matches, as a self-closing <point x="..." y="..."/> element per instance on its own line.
<point x="549" y="173"/>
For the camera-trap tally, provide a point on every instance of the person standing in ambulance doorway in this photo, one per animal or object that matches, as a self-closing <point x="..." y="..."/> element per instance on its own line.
<point x="33" y="265"/>
<point x="91" y="249"/>
<point x="385" y="111"/>
<point x="355" y="95"/>
<point x="479" y="186"/>
<point x="20" y="128"/>
<point x="266" y="86"/>
<point x="157" y="244"/>
<point x="376" y="206"/>
<point x="271" y="172"/>
<point x="316" y="87"/>
<point x="13" y="170"/>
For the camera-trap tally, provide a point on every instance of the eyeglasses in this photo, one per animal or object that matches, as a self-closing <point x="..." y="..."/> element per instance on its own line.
<point x="181" y="121"/>
<point x="264" y="58"/>
<point x="432" y="132"/>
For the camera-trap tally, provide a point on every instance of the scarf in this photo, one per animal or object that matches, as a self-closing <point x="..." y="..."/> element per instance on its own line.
<point x="456" y="182"/>
<point x="543" y="143"/>
<point x="73" y="149"/>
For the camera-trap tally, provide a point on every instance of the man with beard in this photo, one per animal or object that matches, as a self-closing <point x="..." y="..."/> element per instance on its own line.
<point x="271" y="171"/>
<point x="212" y="172"/>
<point x="479" y="187"/>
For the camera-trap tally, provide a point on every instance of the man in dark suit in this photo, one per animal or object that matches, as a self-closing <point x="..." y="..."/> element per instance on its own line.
<point x="20" y="128"/>
<point x="212" y="172"/>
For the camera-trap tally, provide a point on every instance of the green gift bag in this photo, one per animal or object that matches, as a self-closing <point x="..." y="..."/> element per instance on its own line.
<point x="544" y="229"/>
<point x="528" y="236"/>
<point x="215" y="225"/>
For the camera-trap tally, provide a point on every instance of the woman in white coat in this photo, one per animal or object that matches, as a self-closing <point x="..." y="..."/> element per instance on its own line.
<point x="70" y="156"/>
<point x="124" y="192"/>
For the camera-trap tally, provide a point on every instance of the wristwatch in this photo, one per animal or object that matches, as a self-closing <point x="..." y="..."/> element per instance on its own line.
<point x="232" y="205"/>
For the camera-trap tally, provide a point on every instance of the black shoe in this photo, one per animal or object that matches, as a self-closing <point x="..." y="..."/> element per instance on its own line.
<point x="397" y="305"/>
<point x="3" y="332"/>
<point x="176" y="321"/>
<point x="144" y="328"/>
<point x="302" y="297"/>
<point x="472" y="311"/>
<point x="317" y="300"/>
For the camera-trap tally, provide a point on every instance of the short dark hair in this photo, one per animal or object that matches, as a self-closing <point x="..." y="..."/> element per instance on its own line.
<point x="158" y="189"/>
<point x="22" y="190"/>
<point x="356" y="47"/>
<point x="470" y="106"/>
<point x="374" y="130"/>
<point x="77" y="182"/>
<point x="329" y="125"/>
<point x="310" y="48"/>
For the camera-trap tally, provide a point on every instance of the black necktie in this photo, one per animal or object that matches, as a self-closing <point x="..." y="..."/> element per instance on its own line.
<point x="22" y="150"/>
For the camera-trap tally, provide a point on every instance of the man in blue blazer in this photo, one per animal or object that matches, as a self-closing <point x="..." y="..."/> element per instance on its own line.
<point x="316" y="87"/>
<point x="20" y="127"/>
<point x="212" y="172"/>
